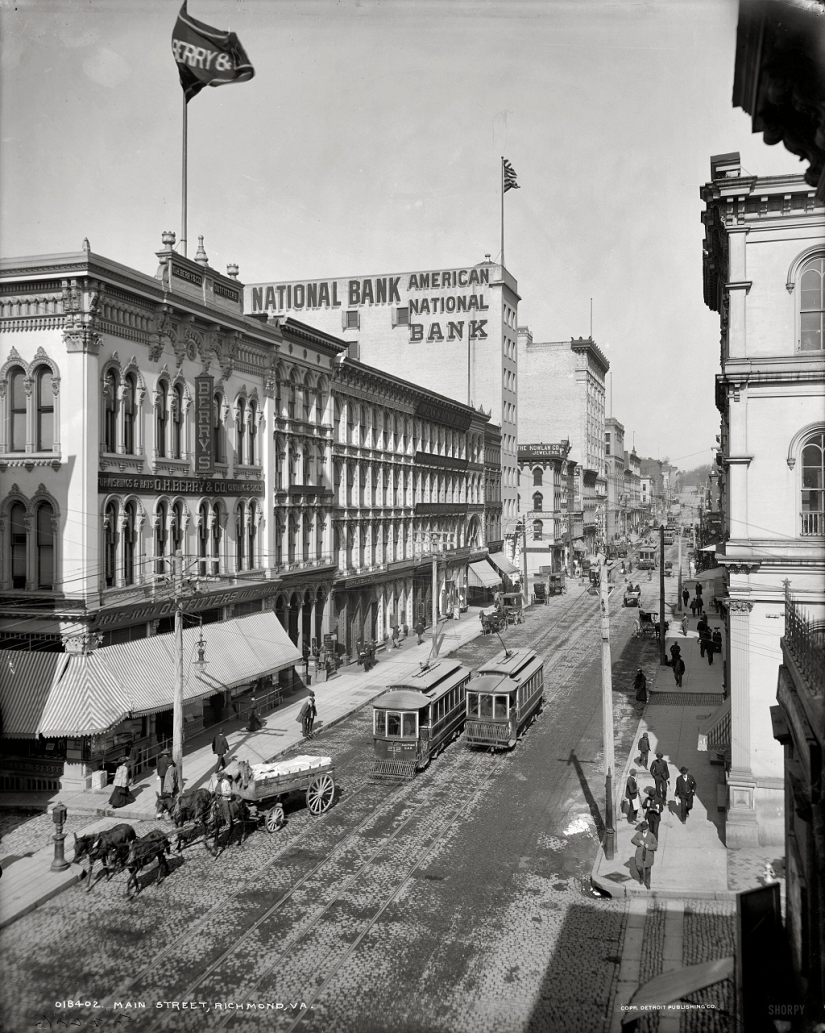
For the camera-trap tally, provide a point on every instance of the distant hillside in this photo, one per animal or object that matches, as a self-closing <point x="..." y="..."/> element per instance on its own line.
<point x="696" y="478"/>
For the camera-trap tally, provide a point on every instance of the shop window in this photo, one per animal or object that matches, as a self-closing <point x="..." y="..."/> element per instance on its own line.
<point x="240" y="536"/>
<point x="538" y="477"/>
<point x="110" y="545"/>
<point x="241" y="425"/>
<point x="351" y="319"/>
<point x="129" y="414"/>
<point x="17" y="412"/>
<point x="813" y="486"/>
<point x="538" y="501"/>
<point x="129" y="543"/>
<point x="17" y="521"/>
<point x="177" y="422"/>
<point x="538" y="527"/>
<point x="161" y="419"/>
<point x="44" y="416"/>
<point x="218" y="431"/>
<point x="161" y="538"/>
<point x="203" y="539"/>
<point x="251" y="533"/>
<point x="253" y="433"/>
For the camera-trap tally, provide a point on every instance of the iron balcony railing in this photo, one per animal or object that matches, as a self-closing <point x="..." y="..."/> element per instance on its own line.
<point x="805" y="641"/>
<point x="813" y="523"/>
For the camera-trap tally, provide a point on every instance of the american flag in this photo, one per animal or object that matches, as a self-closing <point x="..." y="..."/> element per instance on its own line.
<point x="509" y="176"/>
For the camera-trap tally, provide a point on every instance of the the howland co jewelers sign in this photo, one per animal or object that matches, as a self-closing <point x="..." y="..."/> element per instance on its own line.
<point x="440" y="305"/>
<point x="542" y="450"/>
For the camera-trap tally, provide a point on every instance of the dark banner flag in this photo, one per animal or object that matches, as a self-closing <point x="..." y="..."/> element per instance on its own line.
<point x="207" y="56"/>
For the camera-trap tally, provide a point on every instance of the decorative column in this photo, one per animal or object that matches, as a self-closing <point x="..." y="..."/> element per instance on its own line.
<point x="268" y="449"/>
<point x="742" y="827"/>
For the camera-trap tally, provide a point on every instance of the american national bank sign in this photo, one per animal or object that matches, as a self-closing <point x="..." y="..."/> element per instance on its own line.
<point x="445" y="305"/>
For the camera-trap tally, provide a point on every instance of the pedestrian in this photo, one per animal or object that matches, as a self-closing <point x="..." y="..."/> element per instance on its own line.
<point x="644" y="749"/>
<point x="306" y="715"/>
<point x="220" y="747"/>
<point x="121" y="794"/>
<point x="640" y="685"/>
<point x="685" y="789"/>
<point x="717" y="640"/>
<point x="223" y="791"/>
<point x="645" y="843"/>
<point x="313" y="711"/>
<point x="693" y="604"/>
<point x="255" y="724"/>
<point x="164" y="760"/>
<point x="684" y="626"/>
<point x="134" y="759"/>
<point x="631" y="792"/>
<point x="678" y="670"/>
<point x="371" y="654"/>
<point x="704" y="635"/>
<point x="395" y="643"/>
<point x="675" y="653"/>
<point x="652" y="808"/>
<point x="419" y="630"/>
<point x="661" y="775"/>
<point x="169" y="784"/>
<point x="685" y="597"/>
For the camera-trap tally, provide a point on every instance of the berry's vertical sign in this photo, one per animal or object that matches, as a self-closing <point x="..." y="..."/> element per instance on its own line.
<point x="204" y="456"/>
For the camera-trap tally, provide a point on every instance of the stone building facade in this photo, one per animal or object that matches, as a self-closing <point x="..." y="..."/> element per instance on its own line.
<point x="764" y="273"/>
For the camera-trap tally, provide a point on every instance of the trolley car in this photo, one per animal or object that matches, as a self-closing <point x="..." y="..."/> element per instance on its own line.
<point x="504" y="698"/>
<point x="414" y="721"/>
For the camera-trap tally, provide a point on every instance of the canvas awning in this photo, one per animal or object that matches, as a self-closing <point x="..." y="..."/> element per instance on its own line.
<point x="97" y="690"/>
<point x="714" y="733"/>
<point x="708" y="548"/>
<point x="498" y="559"/>
<point x="25" y="682"/>
<point x="482" y="575"/>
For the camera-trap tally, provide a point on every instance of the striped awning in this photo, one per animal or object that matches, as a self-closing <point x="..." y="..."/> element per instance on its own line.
<point x="482" y="575"/>
<point x="499" y="560"/>
<point x="25" y="683"/>
<point x="85" y="698"/>
<point x="714" y="733"/>
<point x="241" y="650"/>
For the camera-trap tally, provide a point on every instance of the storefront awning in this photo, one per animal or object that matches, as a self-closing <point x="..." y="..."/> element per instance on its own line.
<point x="709" y="548"/>
<point x="482" y="575"/>
<point x="579" y="547"/>
<point x="498" y="559"/>
<point x="714" y="733"/>
<point x="91" y="692"/>
<point x="25" y="683"/>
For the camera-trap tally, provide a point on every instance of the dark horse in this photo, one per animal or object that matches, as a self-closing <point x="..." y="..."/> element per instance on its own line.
<point x="108" y="847"/>
<point x="192" y="806"/>
<point x="226" y="812"/>
<point x="142" y="852"/>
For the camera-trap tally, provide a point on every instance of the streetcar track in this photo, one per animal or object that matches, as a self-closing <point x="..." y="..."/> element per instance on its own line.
<point x="437" y="839"/>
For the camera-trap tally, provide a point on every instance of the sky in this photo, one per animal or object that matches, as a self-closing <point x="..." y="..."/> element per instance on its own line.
<point x="370" y="140"/>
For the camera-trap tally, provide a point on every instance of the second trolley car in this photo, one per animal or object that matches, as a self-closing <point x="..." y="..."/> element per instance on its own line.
<point x="414" y="720"/>
<point x="504" y="698"/>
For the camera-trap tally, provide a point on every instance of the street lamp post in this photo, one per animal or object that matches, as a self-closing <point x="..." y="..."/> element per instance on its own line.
<point x="59" y="812"/>
<point x="177" y="699"/>
<point x="607" y="718"/>
<point x="662" y="660"/>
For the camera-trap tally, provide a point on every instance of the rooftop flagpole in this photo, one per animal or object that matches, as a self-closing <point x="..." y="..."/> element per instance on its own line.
<point x="183" y="184"/>
<point x="508" y="182"/>
<point x="502" y="211"/>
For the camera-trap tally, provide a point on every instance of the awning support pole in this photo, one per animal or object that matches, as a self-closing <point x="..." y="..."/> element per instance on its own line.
<point x="177" y="702"/>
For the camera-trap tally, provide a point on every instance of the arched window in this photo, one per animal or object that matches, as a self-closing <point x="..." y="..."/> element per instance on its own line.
<point x="241" y="455"/>
<point x="319" y="404"/>
<point x="537" y="529"/>
<point x="812" y="305"/>
<point x="538" y="477"/>
<point x="17" y="428"/>
<point x="293" y="391"/>
<point x="813" y="486"/>
<point x="129" y="414"/>
<point x="240" y="535"/>
<point x="129" y="543"/>
<point x="177" y="529"/>
<point x="218" y="444"/>
<point x="307" y="393"/>
<point x="161" y="418"/>
<point x="538" y="501"/>
<point x="177" y="422"/>
<point x="203" y="539"/>
<point x="110" y="413"/>
<point x="161" y="537"/>
<point x="217" y="539"/>
<point x="110" y="545"/>
<point x="253" y="433"/>
<point x="251" y="532"/>
<point x="44" y="417"/>
<point x="45" y="545"/>
<point x="17" y="520"/>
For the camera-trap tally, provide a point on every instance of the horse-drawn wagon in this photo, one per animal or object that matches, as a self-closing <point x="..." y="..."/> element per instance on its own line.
<point x="647" y="626"/>
<point x="265" y="786"/>
<point x="632" y="595"/>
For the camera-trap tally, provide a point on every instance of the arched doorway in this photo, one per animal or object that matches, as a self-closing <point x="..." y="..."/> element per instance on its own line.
<point x="306" y="622"/>
<point x="294" y="615"/>
<point x="282" y="612"/>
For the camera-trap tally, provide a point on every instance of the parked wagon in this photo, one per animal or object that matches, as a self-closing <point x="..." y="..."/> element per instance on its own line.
<point x="556" y="584"/>
<point x="647" y="626"/>
<point x="492" y="619"/>
<point x="271" y="782"/>
<point x="632" y="595"/>
<point x="504" y="698"/>
<point x="414" y="720"/>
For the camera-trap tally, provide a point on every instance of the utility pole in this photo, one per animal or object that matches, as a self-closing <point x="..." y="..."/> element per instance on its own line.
<point x="177" y="701"/>
<point x="435" y="599"/>
<point x="679" y="571"/>
<point x="662" y="661"/>
<point x="525" y="594"/>
<point x="607" y="718"/>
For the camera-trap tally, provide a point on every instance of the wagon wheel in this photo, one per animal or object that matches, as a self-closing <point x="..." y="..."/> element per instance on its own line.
<point x="275" y="818"/>
<point x="320" y="792"/>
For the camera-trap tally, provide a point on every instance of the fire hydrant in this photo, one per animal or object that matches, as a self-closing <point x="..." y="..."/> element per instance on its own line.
<point x="59" y="812"/>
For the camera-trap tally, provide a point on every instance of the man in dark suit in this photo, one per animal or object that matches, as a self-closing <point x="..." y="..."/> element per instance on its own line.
<point x="661" y="775"/>
<point x="685" y="789"/>
<point x="220" y="747"/>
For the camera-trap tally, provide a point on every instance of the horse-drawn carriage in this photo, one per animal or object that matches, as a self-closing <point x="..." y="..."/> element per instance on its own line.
<point x="265" y="785"/>
<point x="647" y="626"/>
<point x="632" y="595"/>
<point x="492" y="619"/>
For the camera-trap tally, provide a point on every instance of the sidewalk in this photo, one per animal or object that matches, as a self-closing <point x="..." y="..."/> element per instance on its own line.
<point x="691" y="860"/>
<point x="28" y="881"/>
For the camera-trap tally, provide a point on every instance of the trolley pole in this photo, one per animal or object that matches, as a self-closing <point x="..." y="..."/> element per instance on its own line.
<point x="607" y="719"/>
<point x="662" y="660"/>
<point x="679" y="572"/>
<point x="525" y="592"/>
<point x="177" y="701"/>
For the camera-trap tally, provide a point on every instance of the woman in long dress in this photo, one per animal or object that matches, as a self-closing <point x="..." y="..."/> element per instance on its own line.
<point x="121" y="794"/>
<point x="254" y="720"/>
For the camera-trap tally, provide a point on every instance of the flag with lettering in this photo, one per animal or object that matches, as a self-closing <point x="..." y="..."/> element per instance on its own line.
<point x="207" y="56"/>
<point x="509" y="174"/>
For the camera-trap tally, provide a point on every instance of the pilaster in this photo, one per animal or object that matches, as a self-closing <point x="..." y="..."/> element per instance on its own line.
<point x="742" y="829"/>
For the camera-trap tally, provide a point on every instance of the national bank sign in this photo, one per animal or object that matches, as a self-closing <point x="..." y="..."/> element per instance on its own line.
<point x="441" y="305"/>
